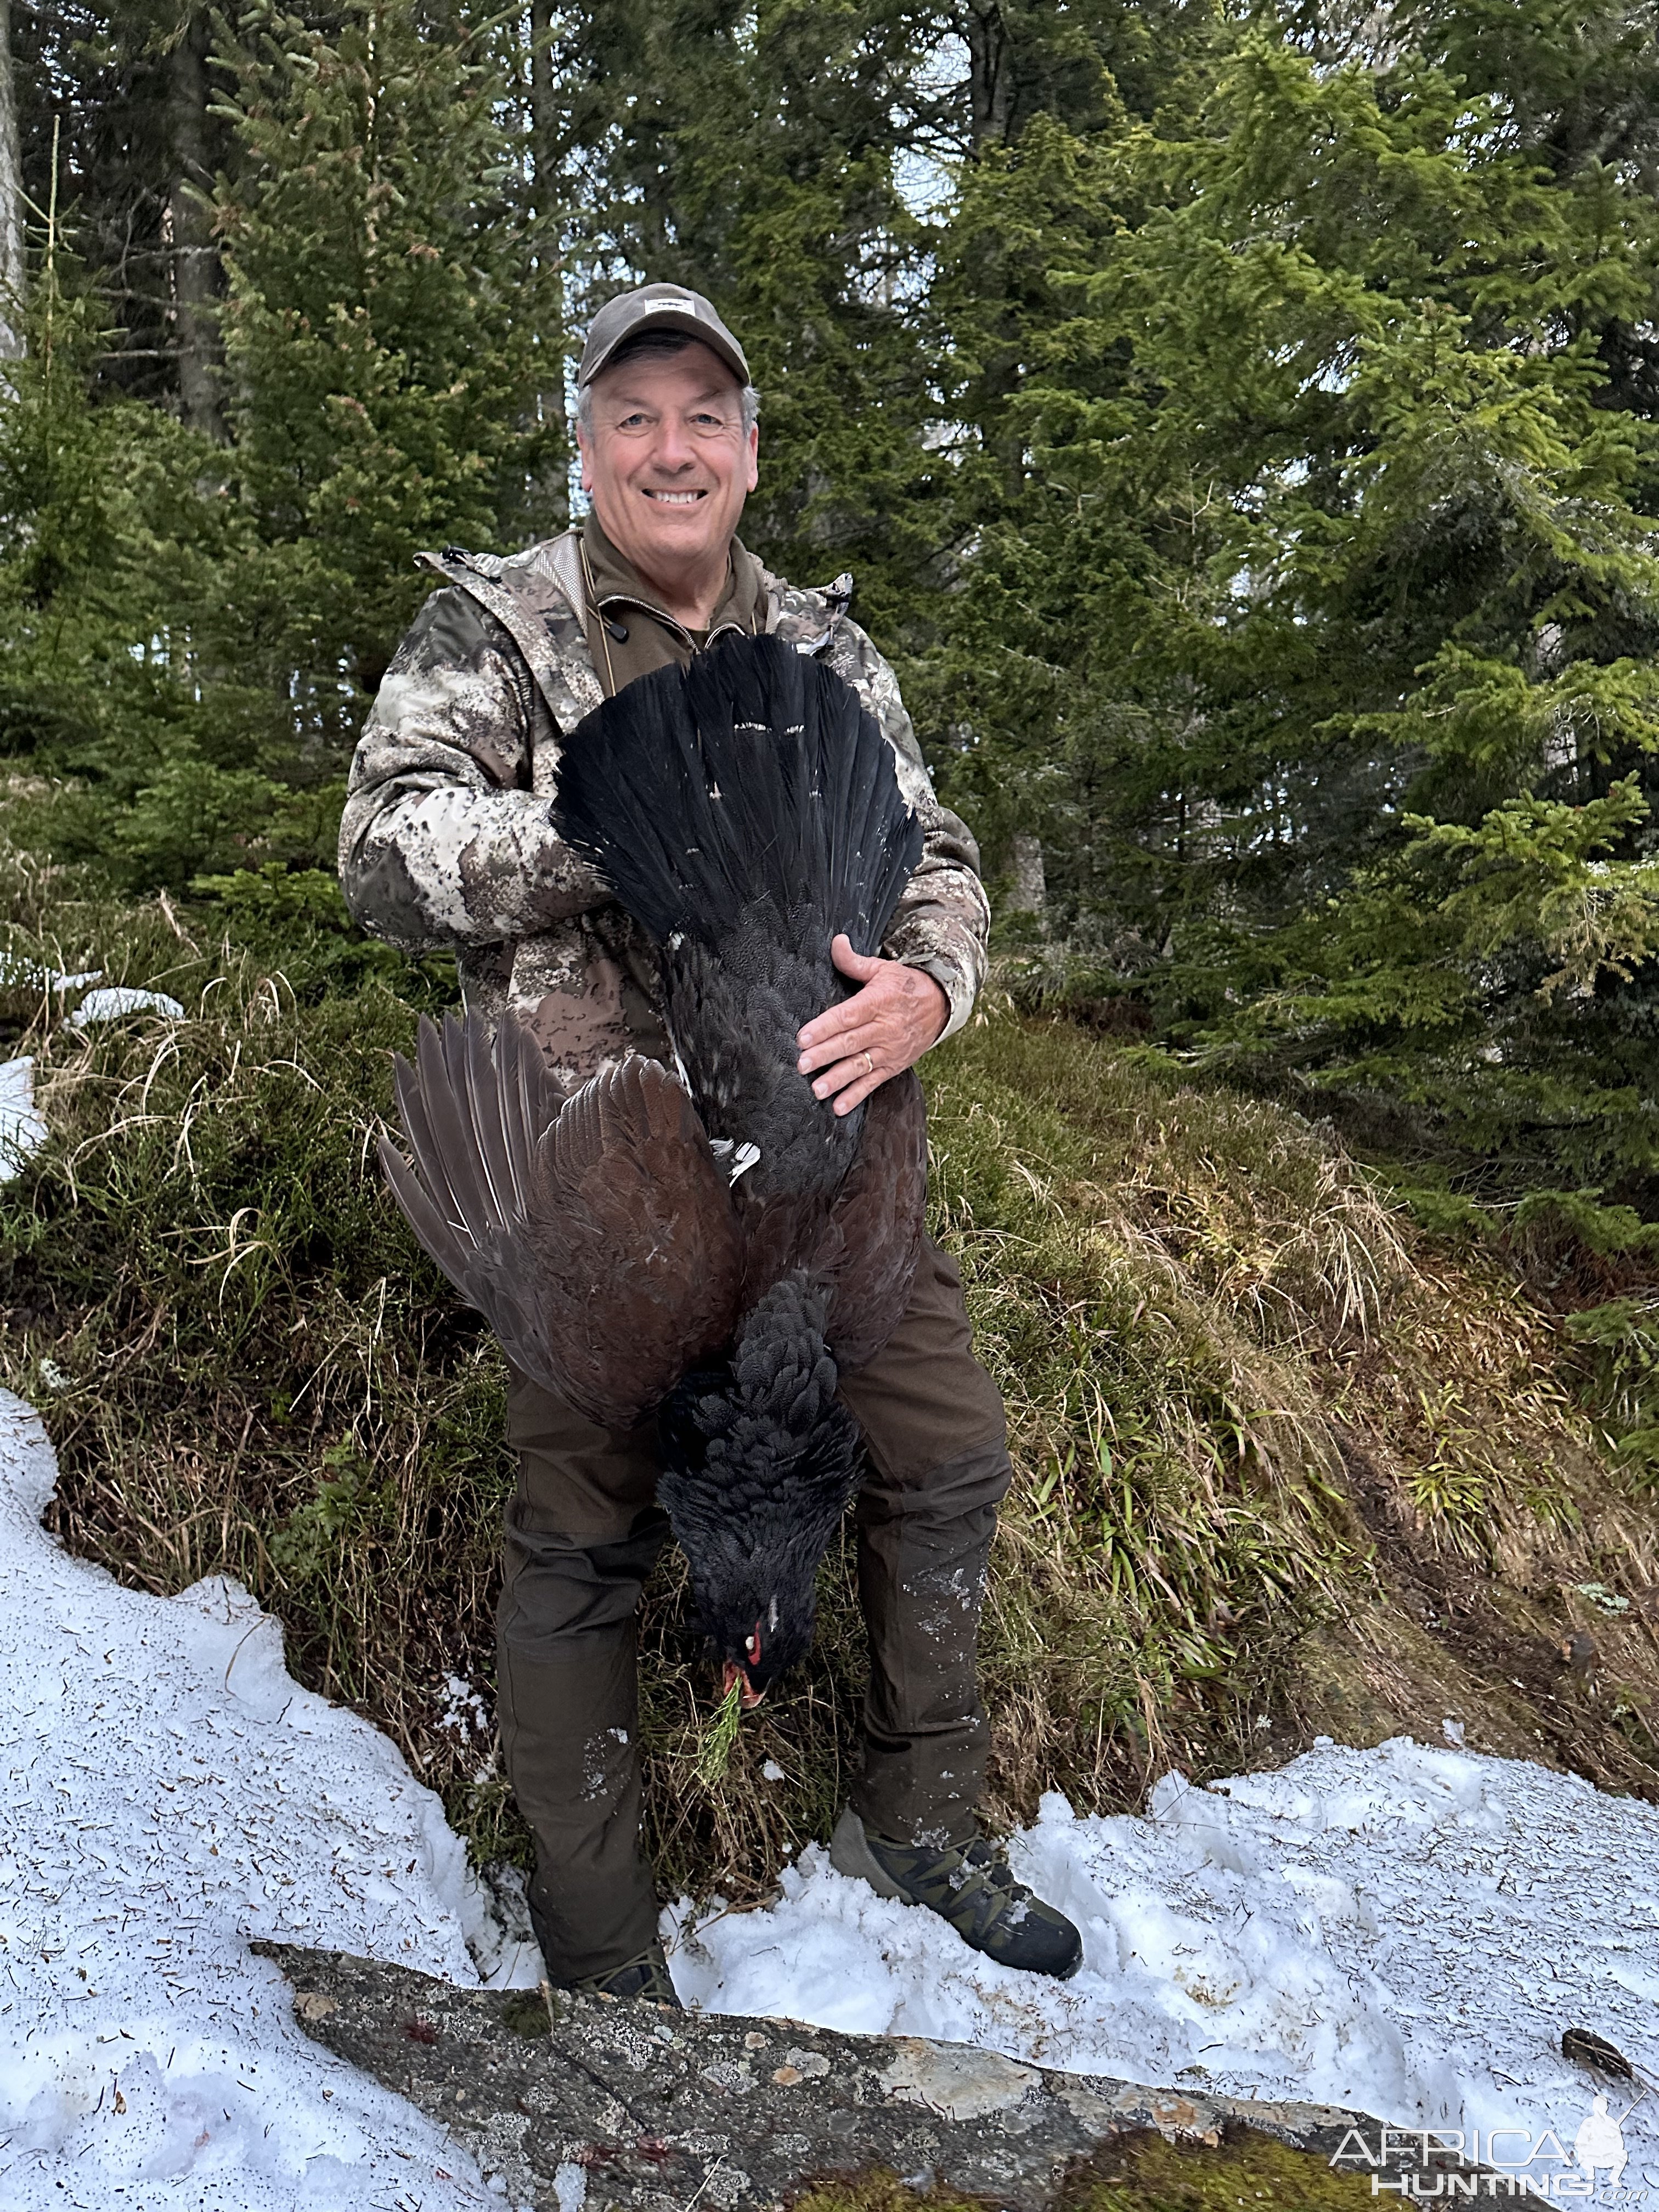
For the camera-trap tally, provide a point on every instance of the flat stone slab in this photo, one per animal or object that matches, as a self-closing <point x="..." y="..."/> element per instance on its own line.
<point x="583" y="2102"/>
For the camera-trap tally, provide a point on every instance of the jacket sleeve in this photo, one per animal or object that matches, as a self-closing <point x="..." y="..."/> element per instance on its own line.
<point x="944" y="919"/>
<point x="443" y="841"/>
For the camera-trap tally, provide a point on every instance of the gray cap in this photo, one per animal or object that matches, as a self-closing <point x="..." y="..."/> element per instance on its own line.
<point x="657" y="307"/>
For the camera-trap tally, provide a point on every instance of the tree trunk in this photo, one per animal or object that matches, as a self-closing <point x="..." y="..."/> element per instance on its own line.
<point x="990" y="74"/>
<point x="193" y="267"/>
<point x="1028" y="893"/>
<point x="545" y="136"/>
<point x="11" y="203"/>
<point x="992" y="123"/>
<point x="543" y="108"/>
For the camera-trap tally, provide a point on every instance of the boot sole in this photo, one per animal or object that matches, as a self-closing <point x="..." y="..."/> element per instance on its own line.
<point x="850" y="1854"/>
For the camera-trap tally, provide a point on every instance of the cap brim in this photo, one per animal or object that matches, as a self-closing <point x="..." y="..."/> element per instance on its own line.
<point x="682" y="319"/>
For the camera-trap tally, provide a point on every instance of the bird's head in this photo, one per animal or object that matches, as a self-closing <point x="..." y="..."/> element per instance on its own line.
<point x="758" y="1615"/>
<point x="754" y="1562"/>
<point x="760" y="1462"/>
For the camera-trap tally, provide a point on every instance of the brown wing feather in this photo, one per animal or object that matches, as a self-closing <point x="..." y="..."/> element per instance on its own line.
<point x="596" y="1239"/>
<point x="636" y="1251"/>
<point x="872" y="1239"/>
<point x="473" y="1113"/>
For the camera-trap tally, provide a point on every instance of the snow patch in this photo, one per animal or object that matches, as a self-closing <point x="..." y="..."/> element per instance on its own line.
<point x="1404" y="1931"/>
<point x="167" y="1792"/>
<point x="22" y="1129"/>
<point x="118" y="999"/>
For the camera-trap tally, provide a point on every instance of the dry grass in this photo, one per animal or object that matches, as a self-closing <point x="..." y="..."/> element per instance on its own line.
<point x="1189" y="1300"/>
<point x="1176" y="1523"/>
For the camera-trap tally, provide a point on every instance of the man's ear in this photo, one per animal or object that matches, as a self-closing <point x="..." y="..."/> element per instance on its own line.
<point x="752" y="473"/>
<point x="587" y="473"/>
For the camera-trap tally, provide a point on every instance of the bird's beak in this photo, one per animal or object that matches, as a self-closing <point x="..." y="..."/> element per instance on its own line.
<point x="750" y="1696"/>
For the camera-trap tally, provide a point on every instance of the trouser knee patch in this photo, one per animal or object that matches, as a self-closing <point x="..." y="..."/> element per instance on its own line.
<point x="962" y="1493"/>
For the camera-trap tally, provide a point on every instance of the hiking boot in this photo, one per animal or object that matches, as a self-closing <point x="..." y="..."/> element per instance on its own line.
<point x="645" y="1976"/>
<point x="968" y="1885"/>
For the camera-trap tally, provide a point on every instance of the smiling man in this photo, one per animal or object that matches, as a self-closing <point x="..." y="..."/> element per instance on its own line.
<point x="448" y="840"/>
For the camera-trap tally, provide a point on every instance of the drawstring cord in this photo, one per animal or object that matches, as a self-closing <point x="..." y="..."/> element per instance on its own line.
<point x="596" y="618"/>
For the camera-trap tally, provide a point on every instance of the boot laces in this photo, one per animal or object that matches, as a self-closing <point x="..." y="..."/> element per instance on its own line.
<point x="975" y="1882"/>
<point x="645" y="1970"/>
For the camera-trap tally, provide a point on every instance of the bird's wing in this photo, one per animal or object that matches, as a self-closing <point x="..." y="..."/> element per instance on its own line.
<point x="637" y="1255"/>
<point x="473" y="1114"/>
<point x="872" y="1239"/>
<point x="598" y="1240"/>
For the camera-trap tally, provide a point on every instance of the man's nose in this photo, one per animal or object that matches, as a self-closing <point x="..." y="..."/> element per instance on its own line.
<point x="674" y="450"/>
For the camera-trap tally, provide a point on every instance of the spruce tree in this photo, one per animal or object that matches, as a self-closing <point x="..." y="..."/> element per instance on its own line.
<point x="1327" y="580"/>
<point x="197" y="628"/>
<point x="388" y="318"/>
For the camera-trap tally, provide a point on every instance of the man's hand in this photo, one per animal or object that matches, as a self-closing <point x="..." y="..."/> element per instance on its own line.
<point x="882" y="1029"/>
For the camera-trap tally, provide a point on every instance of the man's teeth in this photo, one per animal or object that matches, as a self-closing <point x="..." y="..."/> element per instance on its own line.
<point x="676" y="498"/>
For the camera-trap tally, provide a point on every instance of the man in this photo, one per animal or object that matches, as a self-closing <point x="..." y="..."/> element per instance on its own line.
<point x="448" y="840"/>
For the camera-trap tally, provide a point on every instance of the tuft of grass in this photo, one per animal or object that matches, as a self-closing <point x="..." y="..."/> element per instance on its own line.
<point x="1143" y="1261"/>
<point x="244" y="1368"/>
<point x="719" y="1738"/>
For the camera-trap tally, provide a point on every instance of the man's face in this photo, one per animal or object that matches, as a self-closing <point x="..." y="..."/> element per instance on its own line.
<point x="669" y="463"/>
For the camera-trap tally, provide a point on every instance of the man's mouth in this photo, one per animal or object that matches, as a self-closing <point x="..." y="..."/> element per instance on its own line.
<point x="676" y="498"/>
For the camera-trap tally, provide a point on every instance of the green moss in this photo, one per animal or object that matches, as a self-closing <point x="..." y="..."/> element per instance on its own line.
<point x="526" y="2013"/>
<point x="1145" y="2173"/>
<point x="1141" y="2172"/>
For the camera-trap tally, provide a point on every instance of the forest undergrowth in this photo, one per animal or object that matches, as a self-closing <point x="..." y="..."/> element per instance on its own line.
<point x="1285" y="1460"/>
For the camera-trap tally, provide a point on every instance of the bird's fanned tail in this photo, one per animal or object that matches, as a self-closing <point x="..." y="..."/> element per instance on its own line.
<point x="746" y="810"/>
<point x="754" y="775"/>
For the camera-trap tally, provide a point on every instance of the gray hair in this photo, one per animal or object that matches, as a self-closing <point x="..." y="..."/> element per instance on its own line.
<point x="656" y="345"/>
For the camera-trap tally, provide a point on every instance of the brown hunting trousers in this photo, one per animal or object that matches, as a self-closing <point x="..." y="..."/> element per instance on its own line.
<point x="583" y="1531"/>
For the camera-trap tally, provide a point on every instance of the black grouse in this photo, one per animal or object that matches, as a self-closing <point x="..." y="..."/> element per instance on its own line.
<point x="713" y="1245"/>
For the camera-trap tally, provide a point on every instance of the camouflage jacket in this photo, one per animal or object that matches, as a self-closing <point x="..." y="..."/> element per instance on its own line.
<point x="448" y="838"/>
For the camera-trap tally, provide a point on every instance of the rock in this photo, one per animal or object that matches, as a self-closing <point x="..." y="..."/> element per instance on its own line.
<point x="576" y="2101"/>
<point x="957" y="2081"/>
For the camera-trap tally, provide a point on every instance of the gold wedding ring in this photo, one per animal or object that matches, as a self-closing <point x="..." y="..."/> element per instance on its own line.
<point x="869" y="1065"/>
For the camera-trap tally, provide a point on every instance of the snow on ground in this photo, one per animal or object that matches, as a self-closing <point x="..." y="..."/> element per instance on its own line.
<point x="165" y="1793"/>
<point x="22" y="1127"/>
<point x="118" y="999"/>
<point x="1404" y="1931"/>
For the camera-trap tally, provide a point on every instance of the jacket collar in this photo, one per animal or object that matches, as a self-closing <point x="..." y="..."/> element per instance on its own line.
<point x="617" y="582"/>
